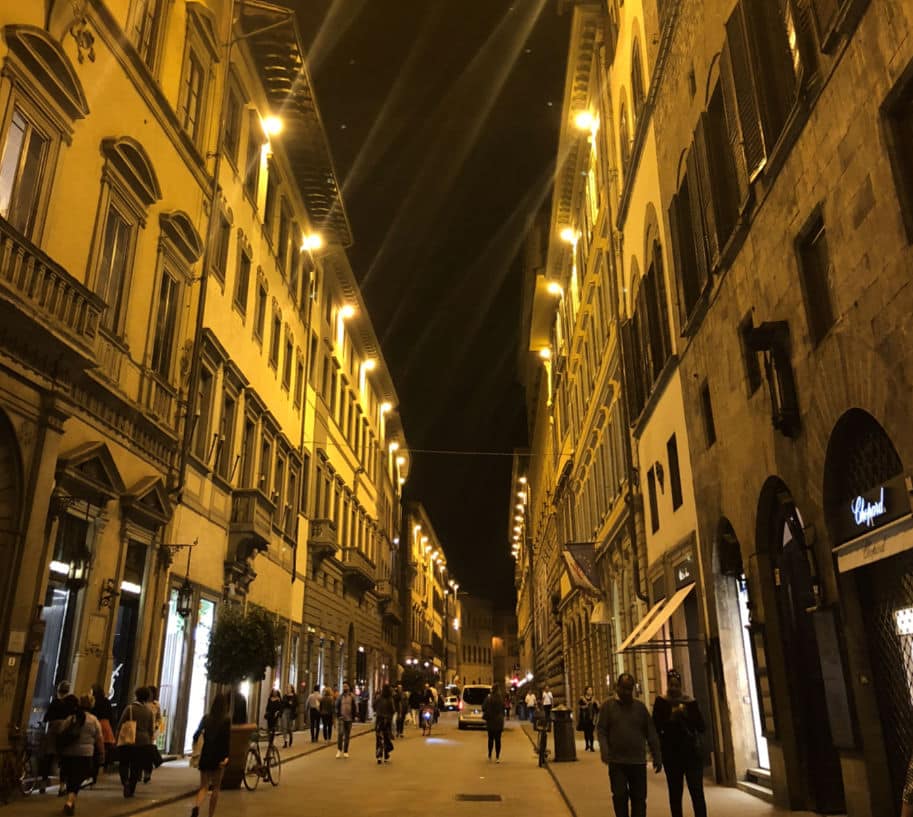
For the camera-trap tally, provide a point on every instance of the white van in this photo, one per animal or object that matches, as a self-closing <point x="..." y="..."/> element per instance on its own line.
<point x="471" y="701"/>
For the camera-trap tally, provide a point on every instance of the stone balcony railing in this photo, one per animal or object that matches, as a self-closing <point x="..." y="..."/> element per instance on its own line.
<point x="43" y="295"/>
<point x="251" y="520"/>
<point x="357" y="568"/>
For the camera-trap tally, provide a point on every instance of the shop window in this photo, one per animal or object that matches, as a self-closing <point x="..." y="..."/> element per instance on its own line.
<point x="898" y="116"/>
<point x="242" y="280"/>
<point x="815" y="275"/>
<point x="707" y="415"/>
<point x="675" y="476"/>
<point x="654" y="504"/>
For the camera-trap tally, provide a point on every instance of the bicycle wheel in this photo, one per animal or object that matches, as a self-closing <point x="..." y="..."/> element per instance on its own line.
<point x="273" y="765"/>
<point x="252" y="769"/>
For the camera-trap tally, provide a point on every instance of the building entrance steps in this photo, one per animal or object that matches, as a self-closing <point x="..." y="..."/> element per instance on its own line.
<point x="173" y="781"/>
<point x="584" y="785"/>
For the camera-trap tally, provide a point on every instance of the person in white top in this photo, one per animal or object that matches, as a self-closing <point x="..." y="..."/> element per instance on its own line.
<point x="530" y="702"/>
<point x="547" y="700"/>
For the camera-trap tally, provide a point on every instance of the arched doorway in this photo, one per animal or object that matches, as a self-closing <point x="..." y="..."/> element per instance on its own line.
<point x="750" y="756"/>
<point x="862" y="464"/>
<point x="793" y="574"/>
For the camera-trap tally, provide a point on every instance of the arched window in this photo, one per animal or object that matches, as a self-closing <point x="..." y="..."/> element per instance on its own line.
<point x="637" y="81"/>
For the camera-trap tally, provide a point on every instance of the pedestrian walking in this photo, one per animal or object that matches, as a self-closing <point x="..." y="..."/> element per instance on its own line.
<point x="680" y="726"/>
<point x="346" y="713"/>
<point x="104" y="713"/>
<point x="383" y="725"/>
<point x="155" y="756"/>
<point x="313" y="707"/>
<point x="134" y="741"/>
<point x="273" y="713"/>
<point x="415" y="702"/>
<point x="548" y="701"/>
<point x="327" y="704"/>
<point x="587" y="710"/>
<point x="624" y="727"/>
<point x="289" y="713"/>
<point x="78" y="741"/>
<point x="400" y="703"/>
<point x="530" y="703"/>
<point x="493" y="713"/>
<point x="215" y="729"/>
<point x="56" y="713"/>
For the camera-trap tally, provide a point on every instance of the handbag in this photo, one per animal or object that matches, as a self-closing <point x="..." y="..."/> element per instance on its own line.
<point x="126" y="733"/>
<point x="196" y="751"/>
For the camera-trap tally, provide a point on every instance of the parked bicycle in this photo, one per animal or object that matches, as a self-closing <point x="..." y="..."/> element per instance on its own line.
<point x="542" y="726"/>
<point x="259" y="767"/>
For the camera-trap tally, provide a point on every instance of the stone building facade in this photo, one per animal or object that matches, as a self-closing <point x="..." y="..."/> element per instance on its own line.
<point x="760" y="187"/>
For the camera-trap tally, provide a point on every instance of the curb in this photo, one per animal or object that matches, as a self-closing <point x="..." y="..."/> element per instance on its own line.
<point x="555" y="780"/>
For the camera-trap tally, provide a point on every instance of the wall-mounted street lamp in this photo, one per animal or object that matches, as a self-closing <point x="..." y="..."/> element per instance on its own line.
<point x="109" y="592"/>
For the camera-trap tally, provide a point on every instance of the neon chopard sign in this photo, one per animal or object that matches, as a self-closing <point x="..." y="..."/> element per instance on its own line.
<point x="865" y="511"/>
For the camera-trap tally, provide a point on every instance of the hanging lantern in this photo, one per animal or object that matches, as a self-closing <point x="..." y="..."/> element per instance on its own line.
<point x="185" y="599"/>
<point x="78" y="570"/>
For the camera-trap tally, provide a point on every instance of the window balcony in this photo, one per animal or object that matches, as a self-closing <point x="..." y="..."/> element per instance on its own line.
<point x="357" y="570"/>
<point x="251" y="522"/>
<point x="41" y="301"/>
<point x="322" y="539"/>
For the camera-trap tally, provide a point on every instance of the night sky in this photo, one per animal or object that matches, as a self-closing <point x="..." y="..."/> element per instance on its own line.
<point x="442" y="117"/>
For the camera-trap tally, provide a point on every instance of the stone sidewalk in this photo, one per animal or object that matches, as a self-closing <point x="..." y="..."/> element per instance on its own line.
<point x="584" y="784"/>
<point x="172" y="781"/>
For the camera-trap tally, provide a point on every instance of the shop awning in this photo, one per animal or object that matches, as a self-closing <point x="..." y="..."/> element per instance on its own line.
<point x="648" y="633"/>
<point x="641" y="638"/>
<point x="644" y="622"/>
<point x="893" y="538"/>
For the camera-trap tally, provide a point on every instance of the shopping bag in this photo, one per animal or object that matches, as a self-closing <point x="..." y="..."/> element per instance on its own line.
<point x="126" y="735"/>
<point x="196" y="751"/>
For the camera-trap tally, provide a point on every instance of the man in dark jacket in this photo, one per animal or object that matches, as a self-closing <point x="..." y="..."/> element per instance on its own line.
<point x="346" y="712"/>
<point x="625" y="728"/>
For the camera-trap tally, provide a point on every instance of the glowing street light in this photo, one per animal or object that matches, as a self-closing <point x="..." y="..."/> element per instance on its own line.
<point x="346" y="312"/>
<point x="546" y="353"/>
<point x="386" y="408"/>
<point x="584" y="120"/>
<point x="554" y="288"/>
<point x="522" y="480"/>
<point x="272" y="125"/>
<point x="394" y="446"/>
<point x="569" y="235"/>
<point x="311" y="242"/>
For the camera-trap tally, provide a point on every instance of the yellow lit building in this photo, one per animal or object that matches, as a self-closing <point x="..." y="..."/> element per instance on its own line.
<point x="195" y="407"/>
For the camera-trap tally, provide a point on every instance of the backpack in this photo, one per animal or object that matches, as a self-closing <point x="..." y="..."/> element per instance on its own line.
<point x="70" y="731"/>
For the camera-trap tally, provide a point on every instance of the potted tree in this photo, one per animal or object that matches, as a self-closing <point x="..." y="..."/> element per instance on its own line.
<point x="241" y="646"/>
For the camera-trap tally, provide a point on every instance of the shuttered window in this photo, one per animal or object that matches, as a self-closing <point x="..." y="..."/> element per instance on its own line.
<point x="742" y="94"/>
<point x="688" y="281"/>
<point x="722" y="170"/>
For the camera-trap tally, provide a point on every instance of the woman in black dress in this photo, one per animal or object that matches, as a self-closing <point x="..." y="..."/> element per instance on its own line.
<point x="680" y="726"/>
<point x="216" y="730"/>
<point x="587" y="710"/>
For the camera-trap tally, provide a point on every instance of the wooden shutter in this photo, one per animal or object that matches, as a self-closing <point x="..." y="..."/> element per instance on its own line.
<point x="632" y="371"/>
<point x="708" y="206"/>
<point x="722" y="168"/>
<point x="696" y="222"/>
<point x="679" y="259"/>
<point x="733" y="126"/>
<point x="754" y="147"/>
<point x="662" y="302"/>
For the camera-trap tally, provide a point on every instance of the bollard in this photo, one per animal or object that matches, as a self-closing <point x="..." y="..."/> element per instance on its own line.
<point x="563" y="729"/>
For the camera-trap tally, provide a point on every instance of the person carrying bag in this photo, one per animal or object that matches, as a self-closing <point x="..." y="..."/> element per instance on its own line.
<point x="134" y="742"/>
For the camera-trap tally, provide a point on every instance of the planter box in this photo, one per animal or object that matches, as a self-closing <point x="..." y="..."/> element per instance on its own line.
<point x="240" y="740"/>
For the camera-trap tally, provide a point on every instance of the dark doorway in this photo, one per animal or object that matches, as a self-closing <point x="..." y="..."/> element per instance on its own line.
<point x="795" y="590"/>
<point x="124" y="647"/>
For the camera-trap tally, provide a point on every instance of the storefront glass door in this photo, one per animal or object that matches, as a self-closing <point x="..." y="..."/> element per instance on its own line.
<point x="196" y="699"/>
<point x="172" y="668"/>
<point x="53" y="662"/>
<point x="760" y="740"/>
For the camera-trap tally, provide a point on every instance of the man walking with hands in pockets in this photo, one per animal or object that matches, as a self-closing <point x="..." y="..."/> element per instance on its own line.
<point x="625" y="728"/>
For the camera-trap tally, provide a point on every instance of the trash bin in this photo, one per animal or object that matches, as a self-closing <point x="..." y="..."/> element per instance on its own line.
<point x="563" y="729"/>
